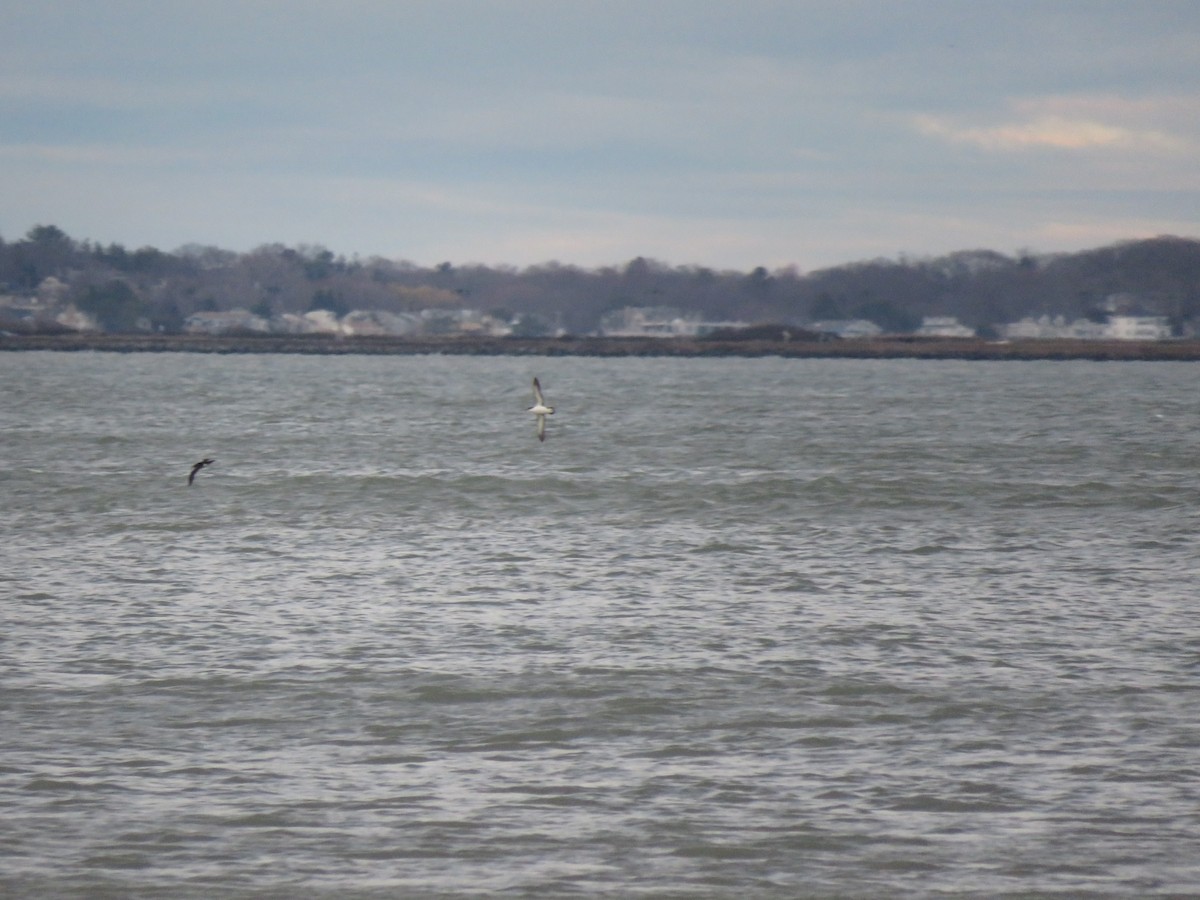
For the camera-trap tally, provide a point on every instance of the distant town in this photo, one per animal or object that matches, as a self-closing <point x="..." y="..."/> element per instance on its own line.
<point x="1142" y="291"/>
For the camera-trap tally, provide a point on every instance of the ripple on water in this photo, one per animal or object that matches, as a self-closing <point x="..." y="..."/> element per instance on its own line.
<point x="879" y="645"/>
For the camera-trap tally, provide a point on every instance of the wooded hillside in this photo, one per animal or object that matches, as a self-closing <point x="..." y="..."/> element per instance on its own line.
<point x="150" y="289"/>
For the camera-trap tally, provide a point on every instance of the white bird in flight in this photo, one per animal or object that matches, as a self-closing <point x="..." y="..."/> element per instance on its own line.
<point x="540" y="409"/>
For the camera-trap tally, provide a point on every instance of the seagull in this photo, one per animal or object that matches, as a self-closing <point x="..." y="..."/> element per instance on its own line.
<point x="197" y="467"/>
<point x="540" y="409"/>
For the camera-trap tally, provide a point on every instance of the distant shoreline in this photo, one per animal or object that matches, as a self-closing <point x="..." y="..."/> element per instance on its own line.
<point x="865" y="348"/>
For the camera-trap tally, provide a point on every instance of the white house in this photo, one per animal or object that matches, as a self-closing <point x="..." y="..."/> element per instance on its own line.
<point x="847" y="328"/>
<point x="1125" y="328"/>
<point x="658" y="321"/>
<point x="72" y="318"/>
<point x="1139" y="328"/>
<point x="1046" y="327"/>
<point x="944" y="326"/>
<point x="225" y="321"/>
<point x="378" y="322"/>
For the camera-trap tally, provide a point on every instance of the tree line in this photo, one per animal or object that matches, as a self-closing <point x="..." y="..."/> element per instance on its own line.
<point x="151" y="289"/>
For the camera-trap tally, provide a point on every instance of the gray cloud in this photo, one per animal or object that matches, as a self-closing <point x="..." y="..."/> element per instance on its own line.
<point x="726" y="133"/>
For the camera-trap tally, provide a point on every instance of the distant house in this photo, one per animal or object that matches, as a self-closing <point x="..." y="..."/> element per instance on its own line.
<point x="225" y="321"/>
<point x="1124" y="328"/>
<point x="1139" y="328"/>
<point x="1029" y="328"/>
<point x="361" y="322"/>
<point x="378" y="322"/>
<point x="462" y="321"/>
<point x="1049" y="327"/>
<point x="51" y="291"/>
<point x="658" y="321"/>
<point x="944" y="326"/>
<point x="319" y="321"/>
<point x="847" y="328"/>
<point x="72" y="318"/>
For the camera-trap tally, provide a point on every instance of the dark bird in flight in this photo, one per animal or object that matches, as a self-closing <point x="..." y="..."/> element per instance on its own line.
<point x="197" y="467"/>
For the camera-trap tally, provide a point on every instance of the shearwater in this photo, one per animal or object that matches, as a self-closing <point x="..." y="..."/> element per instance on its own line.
<point x="540" y="409"/>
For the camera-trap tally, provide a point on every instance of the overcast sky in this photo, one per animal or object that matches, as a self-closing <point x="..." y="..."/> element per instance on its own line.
<point x="726" y="133"/>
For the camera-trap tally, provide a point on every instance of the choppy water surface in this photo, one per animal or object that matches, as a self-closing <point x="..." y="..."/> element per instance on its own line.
<point x="767" y="628"/>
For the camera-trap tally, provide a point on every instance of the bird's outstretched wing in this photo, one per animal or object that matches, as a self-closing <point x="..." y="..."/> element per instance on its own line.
<point x="197" y="467"/>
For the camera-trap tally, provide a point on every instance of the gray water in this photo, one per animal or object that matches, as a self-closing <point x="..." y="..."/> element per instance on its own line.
<point x="738" y="628"/>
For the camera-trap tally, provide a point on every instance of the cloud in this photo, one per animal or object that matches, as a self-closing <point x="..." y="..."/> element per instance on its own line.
<point x="1082" y="234"/>
<point x="104" y="155"/>
<point x="1071" y="124"/>
<point x="707" y="131"/>
<point x="1051" y="131"/>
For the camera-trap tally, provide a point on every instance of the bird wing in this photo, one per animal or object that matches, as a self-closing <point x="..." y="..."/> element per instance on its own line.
<point x="537" y="393"/>
<point x="196" y="467"/>
<point x="541" y="428"/>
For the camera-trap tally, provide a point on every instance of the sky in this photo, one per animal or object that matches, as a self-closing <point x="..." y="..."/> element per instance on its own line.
<point x="721" y="133"/>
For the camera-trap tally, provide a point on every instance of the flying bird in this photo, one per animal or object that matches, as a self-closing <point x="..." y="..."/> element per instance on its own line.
<point x="540" y="409"/>
<point x="197" y="467"/>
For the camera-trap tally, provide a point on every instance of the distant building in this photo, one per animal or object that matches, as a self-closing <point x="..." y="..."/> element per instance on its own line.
<point x="378" y="322"/>
<point x="318" y="321"/>
<point x="72" y="318"/>
<point x="847" y="328"/>
<point x="944" y="326"/>
<point x="1139" y="328"/>
<point x="51" y="291"/>
<point x="1124" y="328"/>
<point x="1049" y="327"/>
<point x="462" y="321"/>
<point x="1029" y="328"/>
<point x="224" y="322"/>
<point x="658" y="321"/>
